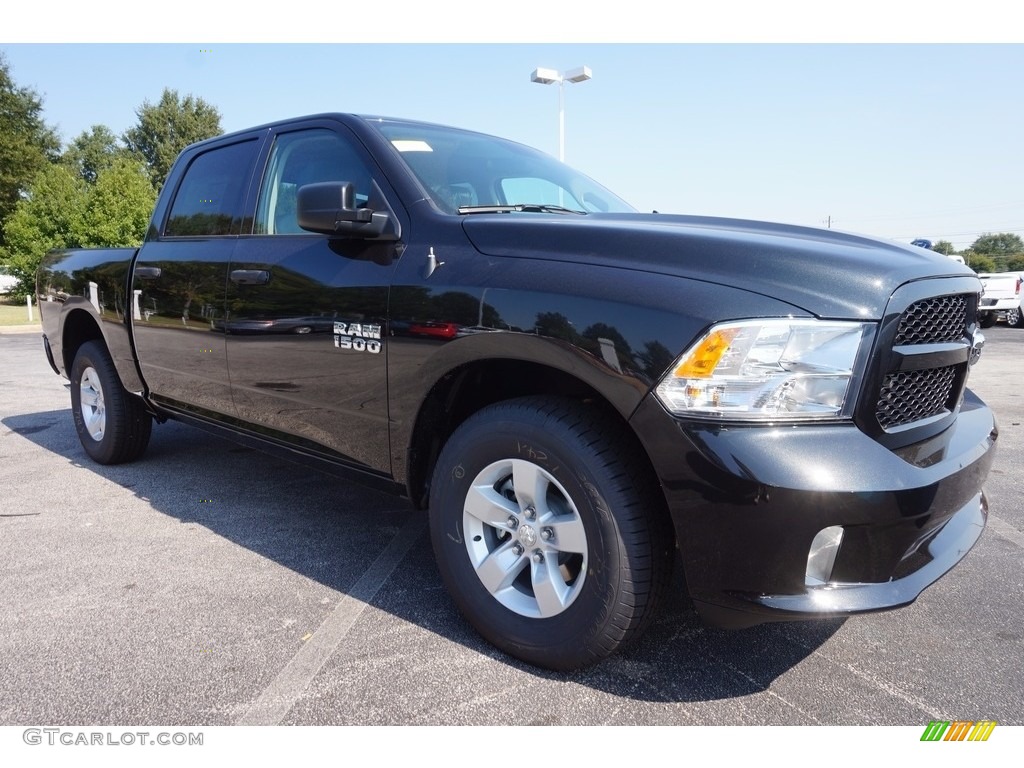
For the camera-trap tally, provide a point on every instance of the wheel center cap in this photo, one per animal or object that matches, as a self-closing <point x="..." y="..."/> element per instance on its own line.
<point x="527" y="536"/>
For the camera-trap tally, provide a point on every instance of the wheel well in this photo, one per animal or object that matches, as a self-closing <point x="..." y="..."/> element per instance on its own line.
<point x="79" y="327"/>
<point x="465" y="390"/>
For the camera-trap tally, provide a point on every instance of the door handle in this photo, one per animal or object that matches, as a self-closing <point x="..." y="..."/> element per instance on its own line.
<point x="147" y="273"/>
<point x="250" y="276"/>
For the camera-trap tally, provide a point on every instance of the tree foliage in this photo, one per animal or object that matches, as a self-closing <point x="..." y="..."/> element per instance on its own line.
<point x="27" y="144"/>
<point x="119" y="206"/>
<point x="91" y="152"/>
<point x="979" y="262"/>
<point x="167" y="127"/>
<point x="1003" y="244"/>
<point x="944" y="247"/>
<point x="50" y="216"/>
<point x="62" y="210"/>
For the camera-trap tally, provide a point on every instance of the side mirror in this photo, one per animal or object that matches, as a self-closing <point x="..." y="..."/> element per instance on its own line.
<point x="329" y="207"/>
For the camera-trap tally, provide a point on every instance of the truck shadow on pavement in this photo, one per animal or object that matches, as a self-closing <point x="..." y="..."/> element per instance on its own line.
<point x="330" y="531"/>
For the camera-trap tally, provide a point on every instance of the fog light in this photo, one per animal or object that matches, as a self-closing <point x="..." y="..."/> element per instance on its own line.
<point x="822" y="555"/>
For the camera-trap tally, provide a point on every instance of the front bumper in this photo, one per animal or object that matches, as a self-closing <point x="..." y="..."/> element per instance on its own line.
<point x="747" y="502"/>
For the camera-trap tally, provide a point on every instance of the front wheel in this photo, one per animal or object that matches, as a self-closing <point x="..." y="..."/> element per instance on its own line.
<point x="547" y="532"/>
<point x="112" y="424"/>
<point x="1015" y="318"/>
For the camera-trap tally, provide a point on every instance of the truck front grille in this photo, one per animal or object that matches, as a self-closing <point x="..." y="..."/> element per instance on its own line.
<point x="933" y="321"/>
<point x="924" y="370"/>
<point x="910" y="396"/>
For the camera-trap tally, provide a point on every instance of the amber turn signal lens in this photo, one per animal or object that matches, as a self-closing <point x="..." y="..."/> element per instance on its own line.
<point x="703" y="360"/>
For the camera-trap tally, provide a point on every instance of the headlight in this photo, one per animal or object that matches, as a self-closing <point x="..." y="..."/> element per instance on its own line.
<point x="768" y="370"/>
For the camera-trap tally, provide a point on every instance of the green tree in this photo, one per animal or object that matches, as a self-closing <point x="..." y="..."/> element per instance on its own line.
<point x="91" y="152"/>
<point x="944" y="247"/>
<point x="980" y="263"/>
<point x="1000" y="247"/>
<point x="1015" y="264"/>
<point x="50" y="216"/>
<point x="62" y="210"/>
<point x="27" y="144"/>
<point x="118" y="207"/>
<point x="167" y="127"/>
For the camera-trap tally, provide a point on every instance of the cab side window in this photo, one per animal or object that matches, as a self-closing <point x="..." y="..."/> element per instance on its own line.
<point x="305" y="157"/>
<point x="211" y="196"/>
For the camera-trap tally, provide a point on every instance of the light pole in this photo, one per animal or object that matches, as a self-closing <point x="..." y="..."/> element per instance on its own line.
<point x="549" y="76"/>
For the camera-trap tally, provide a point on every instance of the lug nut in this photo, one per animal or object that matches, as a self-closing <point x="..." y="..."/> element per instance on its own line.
<point x="538" y="557"/>
<point x="517" y="549"/>
<point x="530" y="513"/>
<point x="547" y="534"/>
<point x="512" y="522"/>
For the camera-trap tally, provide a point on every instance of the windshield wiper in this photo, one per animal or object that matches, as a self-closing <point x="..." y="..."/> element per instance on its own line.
<point x="519" y="207"/>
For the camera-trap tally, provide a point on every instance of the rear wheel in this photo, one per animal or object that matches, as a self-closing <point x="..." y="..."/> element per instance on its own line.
<point x="112" y="424"/>
<point x="1015" y="318"/>
<point x="547" y="533"/>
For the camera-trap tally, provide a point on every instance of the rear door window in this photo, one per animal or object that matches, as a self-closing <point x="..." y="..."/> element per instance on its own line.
<point x="211" y="197"/>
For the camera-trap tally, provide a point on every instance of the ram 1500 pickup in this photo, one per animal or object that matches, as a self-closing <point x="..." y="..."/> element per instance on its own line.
<point x="574" y="390"/>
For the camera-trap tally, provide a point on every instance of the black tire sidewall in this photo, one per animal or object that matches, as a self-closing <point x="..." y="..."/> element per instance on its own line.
<point x="126" y="431"/>
<point x="89" y="357"/>
<point x="579" y="634"/>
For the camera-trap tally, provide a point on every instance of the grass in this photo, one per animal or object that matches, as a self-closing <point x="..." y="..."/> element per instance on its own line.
<point x="14" y="313"/>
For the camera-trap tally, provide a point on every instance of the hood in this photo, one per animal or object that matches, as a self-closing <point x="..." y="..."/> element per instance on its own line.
<point x="827" y="273"/>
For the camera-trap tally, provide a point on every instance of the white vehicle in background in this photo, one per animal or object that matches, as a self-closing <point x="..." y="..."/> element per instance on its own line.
<point x="1001" y="297"/>
<point x="7" y="282"/>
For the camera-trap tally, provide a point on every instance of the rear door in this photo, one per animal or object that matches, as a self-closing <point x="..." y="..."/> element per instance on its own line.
<point x="180" y="278"/>
<point x="306" y="312"/>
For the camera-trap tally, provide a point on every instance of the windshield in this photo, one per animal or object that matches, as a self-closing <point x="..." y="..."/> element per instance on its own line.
<point x="462" y="171"/>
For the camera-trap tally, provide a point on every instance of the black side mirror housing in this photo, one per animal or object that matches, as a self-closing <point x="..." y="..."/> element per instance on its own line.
<point x="329" y="207"/>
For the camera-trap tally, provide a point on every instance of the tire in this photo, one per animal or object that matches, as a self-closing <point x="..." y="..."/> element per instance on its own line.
<point x="987" y="319"/>
<point x="1015" y="318"/>
<point x="112" y="424"/>
<point x="561" y="581"/>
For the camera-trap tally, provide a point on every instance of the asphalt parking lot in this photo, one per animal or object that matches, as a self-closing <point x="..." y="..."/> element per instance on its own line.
<point x="209" y="584"/>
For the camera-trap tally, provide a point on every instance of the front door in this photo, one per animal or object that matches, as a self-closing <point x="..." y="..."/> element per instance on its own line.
<point x="306" y="312"/>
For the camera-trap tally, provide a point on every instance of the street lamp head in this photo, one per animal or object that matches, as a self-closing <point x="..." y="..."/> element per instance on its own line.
<point x="545" y="76"/>
<point x="579" y="74"/>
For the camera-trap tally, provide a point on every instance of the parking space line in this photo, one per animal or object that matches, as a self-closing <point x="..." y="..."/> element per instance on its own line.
<point x="271" y="707"/>
<point x="1006" y="531"/>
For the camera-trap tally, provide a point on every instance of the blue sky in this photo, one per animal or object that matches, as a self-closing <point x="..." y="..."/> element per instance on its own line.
<point x="898" y="141"/>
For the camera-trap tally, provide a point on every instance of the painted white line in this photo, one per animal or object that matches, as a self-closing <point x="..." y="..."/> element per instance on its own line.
<point x="1006" y="531"/>
<point x="284" y="690"/>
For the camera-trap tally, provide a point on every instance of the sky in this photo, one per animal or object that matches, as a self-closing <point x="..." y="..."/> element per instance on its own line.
<point x="897" y="140"/>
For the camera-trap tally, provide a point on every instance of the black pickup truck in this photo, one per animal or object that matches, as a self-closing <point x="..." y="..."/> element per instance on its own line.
<point x="575" y="390"/>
